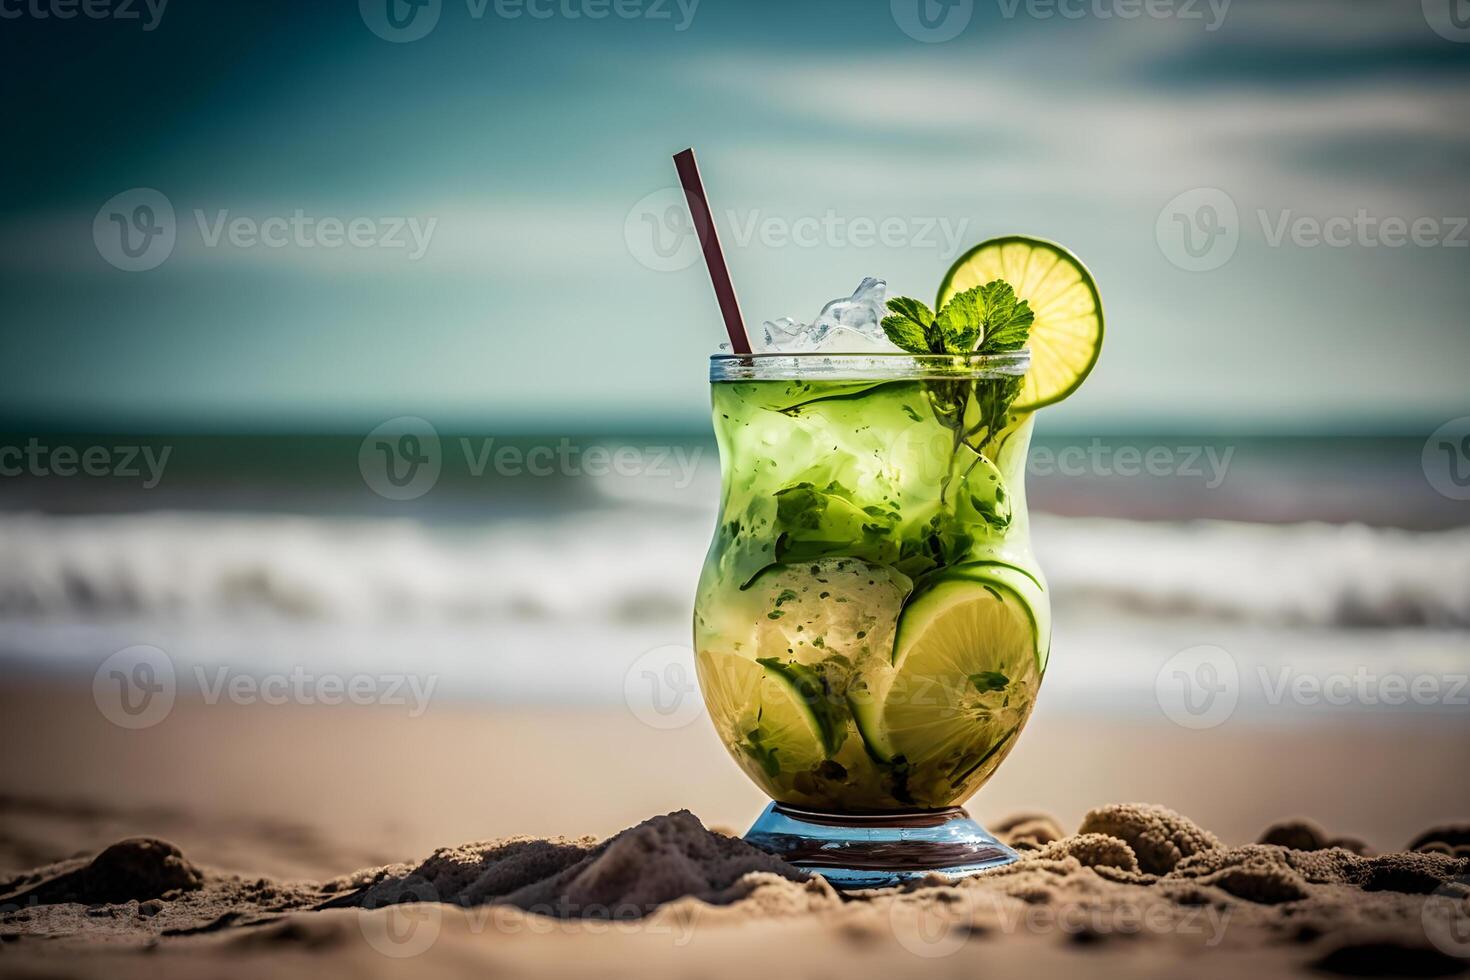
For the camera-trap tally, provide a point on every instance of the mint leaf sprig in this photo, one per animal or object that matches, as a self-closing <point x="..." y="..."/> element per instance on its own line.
<point x="987" y="319"/>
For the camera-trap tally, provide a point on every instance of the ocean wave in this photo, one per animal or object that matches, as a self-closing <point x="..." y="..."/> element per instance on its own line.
<point x="1309" y="574"/>
<point x="639" y="565"/>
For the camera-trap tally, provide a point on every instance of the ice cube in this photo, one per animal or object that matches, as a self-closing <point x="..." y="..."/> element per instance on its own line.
<point x="863" y="311"/>
<point x="845" y="340"/>
<point x="787" y="334"/>
<point x="850" y="325"/>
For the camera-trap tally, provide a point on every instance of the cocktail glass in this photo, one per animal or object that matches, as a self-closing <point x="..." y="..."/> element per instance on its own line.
<point x="871" y="628"/>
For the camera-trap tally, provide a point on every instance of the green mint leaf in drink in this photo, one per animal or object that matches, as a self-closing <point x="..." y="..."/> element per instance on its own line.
<point x="909" y="325"/>
<point x="961" y="323"/>
<point x="1007" y="321"/>
<point x="984" y="319"/>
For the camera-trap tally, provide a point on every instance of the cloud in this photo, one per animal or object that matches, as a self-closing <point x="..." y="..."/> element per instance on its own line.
<point x="955" y="123"/>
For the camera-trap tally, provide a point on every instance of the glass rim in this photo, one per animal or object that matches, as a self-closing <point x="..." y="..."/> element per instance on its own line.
<point x="877" y="366"/>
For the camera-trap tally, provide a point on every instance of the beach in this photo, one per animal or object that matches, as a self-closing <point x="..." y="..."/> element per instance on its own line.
<point x="259" y="696"/>
<point x="308" y="794"/>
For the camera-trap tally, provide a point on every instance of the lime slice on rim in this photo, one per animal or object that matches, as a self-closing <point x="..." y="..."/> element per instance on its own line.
<point x="1067" y="334"/>
<point x="962" y="682"/>
<point x="764" y="714"/>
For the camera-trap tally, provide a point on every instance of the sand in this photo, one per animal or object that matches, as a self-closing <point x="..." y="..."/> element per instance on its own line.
<point x="295" y="841"/>
<point x="1144" y="885"/>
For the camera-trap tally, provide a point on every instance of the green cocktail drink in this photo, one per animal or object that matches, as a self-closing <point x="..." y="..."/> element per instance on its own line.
<point x="871" y="628"/>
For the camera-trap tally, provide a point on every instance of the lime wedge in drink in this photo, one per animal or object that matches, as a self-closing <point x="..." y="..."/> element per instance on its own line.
<point x="1068" y="331"/>
<point x="963" y="678"/>
<point x="1028" y="587"/>
<point x="774" y="717"/>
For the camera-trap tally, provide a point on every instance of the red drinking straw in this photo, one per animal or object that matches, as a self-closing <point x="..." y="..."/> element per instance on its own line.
<point x="714" y="258"/>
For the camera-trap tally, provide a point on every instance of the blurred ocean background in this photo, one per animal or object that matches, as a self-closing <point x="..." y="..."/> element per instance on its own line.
<point x="264" y="554"/>
<point x="1299" y="392"/>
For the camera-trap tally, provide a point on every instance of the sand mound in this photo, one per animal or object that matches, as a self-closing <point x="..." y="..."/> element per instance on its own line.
<point x="1159" y="837"/>
<point x="1304" y="835"/>
<point x="136" y="869"/>
<point x="1092" y="851"/>
<point x="1452" y="840"/>
<point x="1028" y="830"/>
<point x="660" y="860"/>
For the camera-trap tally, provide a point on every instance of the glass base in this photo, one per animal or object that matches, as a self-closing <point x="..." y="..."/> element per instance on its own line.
<point x="881" y="849"/>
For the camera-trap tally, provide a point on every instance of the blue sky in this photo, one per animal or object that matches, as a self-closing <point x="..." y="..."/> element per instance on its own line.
<point x="532" y="153"/>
